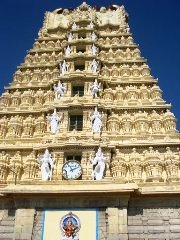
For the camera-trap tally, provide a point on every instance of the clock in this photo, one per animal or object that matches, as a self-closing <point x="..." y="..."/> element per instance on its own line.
<point x="71" y="170"/>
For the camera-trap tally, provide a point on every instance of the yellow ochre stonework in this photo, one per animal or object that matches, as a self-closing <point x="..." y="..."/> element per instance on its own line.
<point x="83" y="125"/>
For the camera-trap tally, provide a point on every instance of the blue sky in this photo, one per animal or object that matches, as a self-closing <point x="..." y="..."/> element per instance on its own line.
<point x="154" y="24"/>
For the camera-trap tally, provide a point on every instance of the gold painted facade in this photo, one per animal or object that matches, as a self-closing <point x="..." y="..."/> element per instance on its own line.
<point x="138" y="137"/>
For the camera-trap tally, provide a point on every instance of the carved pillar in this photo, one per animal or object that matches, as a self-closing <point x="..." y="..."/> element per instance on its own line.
<point x="31" y="167"/>
<point x="59" y="159"/>
<point x="15" y="168"/>
<point x="65" y="122"/>
<point x="68" y="90"/>
<point x="86" y="89"/>
<point x="86" y="166"/>
<point x="86" y="121"/>
<point x="108" y="159"/>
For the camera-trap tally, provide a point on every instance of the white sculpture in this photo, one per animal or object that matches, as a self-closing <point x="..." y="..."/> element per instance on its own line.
<point x="67" y="51"/>
<point x="91" y="25"/>
<point x="98" y="165"/>
<point x="95" y="88"/>
<point x="74" y="26"/>
<point x="94" y="66"/>
<point x="64" y="67"/>
<point x="47" y="165"/>
<point x="59" y="90"/>
<point x="96" y="121"/>
<point x="70" y="37"/>
<point x="94" y="49"/>
<point x="93" y="37"/>
<point x="54" y="121"/>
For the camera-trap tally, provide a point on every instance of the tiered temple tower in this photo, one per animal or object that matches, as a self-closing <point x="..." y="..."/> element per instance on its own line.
<point x="83" y="125"/>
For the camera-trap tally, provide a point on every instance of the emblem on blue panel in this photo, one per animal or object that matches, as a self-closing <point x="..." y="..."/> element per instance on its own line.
<point x="70" y="226"/>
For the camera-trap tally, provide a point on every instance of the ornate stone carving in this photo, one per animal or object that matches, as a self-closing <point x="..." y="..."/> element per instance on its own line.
<point x="169" y="122"/>
<point x="4" y="166"/>
<point x="15" y="126"/>
<point x="39" y="97"/>
<point x="16" y="98"/>
<point x="113" y="124"/>
<point x="108" y="94"/>
<point x="27" y="97"/>
<point x="5" y="99"/>
<point x="15" y="167"/>
<point x="31" y="167"/>
<point x="126" y="123"/>
<point x="171" y="164"/>
<point x="3" y="126"/>
<point x="28" y="124"/>
<point x="49" y="97"/>
<point x="40" y="125"/>
<point x="119" y="166"/>
<point x="153" y="165"/>
<point x="141" y="122"/>
<point x="135" y="166"/>
<point x="156" y="124"/>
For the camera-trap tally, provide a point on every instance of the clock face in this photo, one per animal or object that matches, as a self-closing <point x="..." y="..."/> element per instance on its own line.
<point x="72" y="170"/>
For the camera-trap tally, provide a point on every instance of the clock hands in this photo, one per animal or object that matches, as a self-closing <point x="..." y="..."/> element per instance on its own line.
<point x="74" y="168"/>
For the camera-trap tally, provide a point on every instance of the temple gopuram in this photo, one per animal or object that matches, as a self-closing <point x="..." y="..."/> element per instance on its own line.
<point x="89" y="149"/>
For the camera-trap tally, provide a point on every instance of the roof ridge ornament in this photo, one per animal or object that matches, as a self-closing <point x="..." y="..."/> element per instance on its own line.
<point x="84" y="7"/>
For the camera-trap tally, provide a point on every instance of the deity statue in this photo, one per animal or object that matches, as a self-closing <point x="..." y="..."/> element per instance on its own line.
<point x="70" y="226"/>
<point x="49" y="96"/>
<point x="55" y="73"/>
<point x="70" y="37"/>
<point x="98" y="165"/>
<point x="67" y="51"/>
<point x="96" y="121"/>
<point x="59" y="90"/>
<point x="15" y="125"/>
<point x="64" y="67"/>
<point x="36" y="75"/>
<point x="74" y="26"/>
<point x="94" y="49"/>
<point x="17" y="76"/>
<point x="47" y="165"/>
<point x="54" y="121"/>
<point x="52" y="57"/>
<point x="40" y="125"/>
<point x="27" y="97"/>
<point x="91" y="25"/>
<point x="27" y="75"/>
<point x="93" y="37"/>
<point x="39" y="97"/>
<point x="28" y="126"/>
<point x="5" y="99"/>
<point x="95" y="88"/>
<point x="94" y="66"/>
